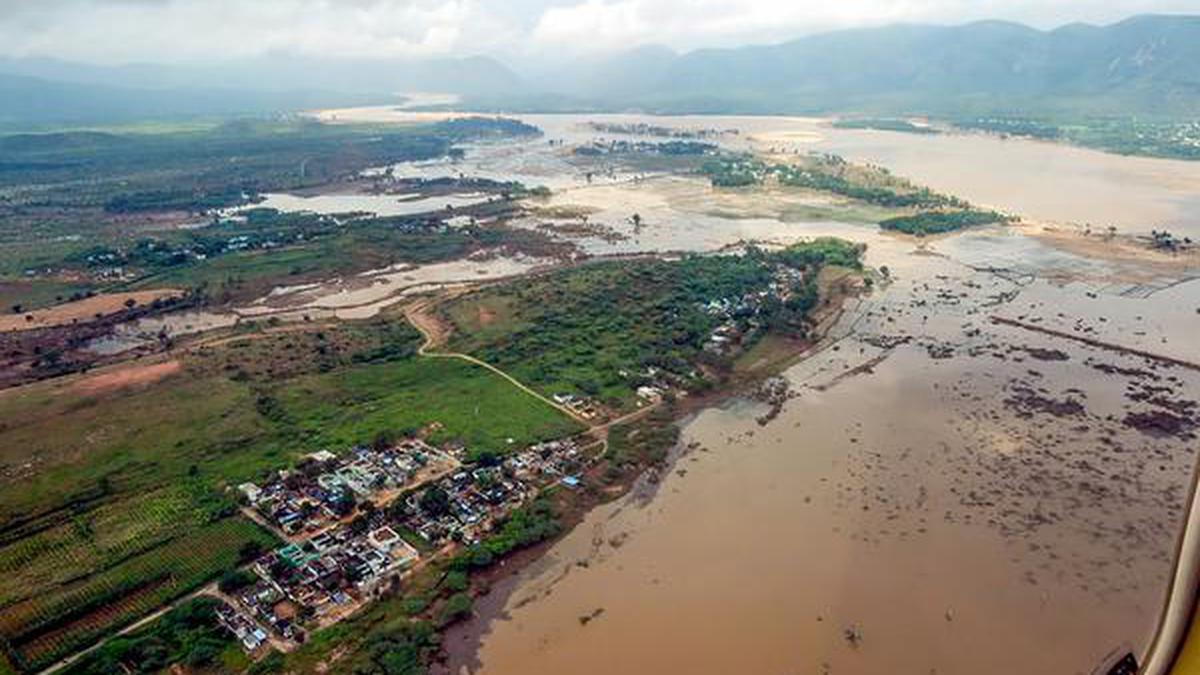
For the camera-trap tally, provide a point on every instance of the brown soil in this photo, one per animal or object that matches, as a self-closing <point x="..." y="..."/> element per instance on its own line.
<point x="126" y="377"/>
<point x="80" y="310"/>
<point x="486" y="316"/>
<point x="1136" y="260"/>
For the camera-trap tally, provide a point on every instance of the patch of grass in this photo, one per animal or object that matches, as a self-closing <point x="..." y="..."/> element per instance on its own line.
<point x="242" y="408"/>
<point x="38" y="293"/>
<point x="124" y="486"/>
<point x="122" y="442"/>
<point x="468" y="403"/>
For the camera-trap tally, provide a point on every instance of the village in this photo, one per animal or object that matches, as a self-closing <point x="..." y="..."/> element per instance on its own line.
<point x="357" y="523"/>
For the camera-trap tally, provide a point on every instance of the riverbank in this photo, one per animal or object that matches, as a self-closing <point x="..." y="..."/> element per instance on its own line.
<point x="605" y="482"/>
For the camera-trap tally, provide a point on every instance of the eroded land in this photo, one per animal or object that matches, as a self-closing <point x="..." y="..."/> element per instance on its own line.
<point x="581" y="393"/>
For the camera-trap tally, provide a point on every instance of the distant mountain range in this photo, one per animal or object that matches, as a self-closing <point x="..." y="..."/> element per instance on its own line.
<point x="50" y="91"/>
<point x="1146" y="65"/>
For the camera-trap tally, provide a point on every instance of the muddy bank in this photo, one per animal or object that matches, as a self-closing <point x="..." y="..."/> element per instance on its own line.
<point x="493" y="588"/>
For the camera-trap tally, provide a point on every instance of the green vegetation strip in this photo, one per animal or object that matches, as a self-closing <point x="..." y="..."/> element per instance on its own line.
<point x="596" y="330"/>
<point x="937" y="222"/>
<point x="919" y="209"/>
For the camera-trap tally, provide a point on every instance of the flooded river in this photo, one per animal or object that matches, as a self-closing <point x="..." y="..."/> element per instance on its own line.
<point x="964" y="496"/>
<point x="1039" y="180"/>
<point x="952" y="488"/>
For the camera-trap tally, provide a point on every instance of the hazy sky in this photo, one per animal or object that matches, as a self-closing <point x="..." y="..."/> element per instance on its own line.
<point x="116" y="31"/>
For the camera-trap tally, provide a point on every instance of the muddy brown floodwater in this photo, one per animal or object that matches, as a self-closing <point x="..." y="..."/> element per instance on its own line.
<point x="944" y="493"/>
<point x="977" y="501"/>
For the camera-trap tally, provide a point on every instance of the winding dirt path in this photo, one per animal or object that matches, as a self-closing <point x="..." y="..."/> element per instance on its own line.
<point x="435" y="334"/>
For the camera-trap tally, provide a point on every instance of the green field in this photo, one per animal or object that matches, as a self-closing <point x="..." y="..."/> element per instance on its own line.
<point x="236" y="411"/>
<point x="58" y="621"/>
<point x="120" y="488"/>
<point x="472" y="405"/>
<point x="79" y="204"/>
<point x="97" y="539"/>
<point x="893" y="202"/>
<point x="937" y="222"/>
<point x="1131" y="135"/>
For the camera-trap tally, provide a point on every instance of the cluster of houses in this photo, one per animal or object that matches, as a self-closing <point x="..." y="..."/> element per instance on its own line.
<point x="582" y="406"/>
<point x="548" y="462"/>
<point x="247" y="632"/>
<point x="328" y="576"/>
<point x="346" y="520"/>
<point x="325" y="488"/>
<point x="462" y="507"/>
<point x="738" y="316"/>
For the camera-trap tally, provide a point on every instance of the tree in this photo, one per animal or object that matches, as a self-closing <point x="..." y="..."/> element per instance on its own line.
<point x="360" y="524"/>
<point x="250" y="551"/>
<point x="435" y="502"/>
<point x="383" y="440"/>
<point x="456" y="580"/>
<point x="456" y="607"/>
<point x="235" y="580"/>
